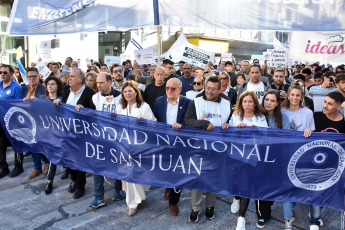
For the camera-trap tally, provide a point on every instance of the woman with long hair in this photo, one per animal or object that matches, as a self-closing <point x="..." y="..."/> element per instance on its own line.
<point x="90" y="81"/>
<point x="301" y="119"/>
<point x="54" y="90"/>
<point x="247" y="112"/>
<point x="132" y="104"/>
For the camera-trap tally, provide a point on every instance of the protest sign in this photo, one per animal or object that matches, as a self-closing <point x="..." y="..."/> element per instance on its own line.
<point x="277" y="58"/>
<point x="195" y="56"/>
<point x="144" y="56"/>
<point x="112" y="59"/>
<point x="43" y="69"/>
<point x="226" y="56"/>
<point x="45" y="50"/>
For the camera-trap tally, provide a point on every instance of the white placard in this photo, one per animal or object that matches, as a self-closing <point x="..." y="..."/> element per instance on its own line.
<point x="45" y="50"/>
<point x="144" y="56"/>
<point x="276" y="58"/>
<point x="195" y="56"/>
<point x="112" y="59"/>
<point x="226" y="56"/>
<point x="43" y="69"/>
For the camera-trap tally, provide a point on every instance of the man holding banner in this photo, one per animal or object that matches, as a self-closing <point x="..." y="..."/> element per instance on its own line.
<point x="171" y="109"/>
<point x="207" y="112"/>
<point x="9" y="89"/>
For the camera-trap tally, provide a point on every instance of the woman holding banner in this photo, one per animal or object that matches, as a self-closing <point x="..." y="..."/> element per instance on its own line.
<point x="132" y="104"/>
<point x="301" y="119"/>
<point x="54" y="90"/>
<point x="248" y="112"/>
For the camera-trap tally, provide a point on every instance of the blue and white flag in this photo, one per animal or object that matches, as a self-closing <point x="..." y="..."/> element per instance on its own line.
<point x="22" y="71"/>
<point x="70" y="16"/>
<point x="251" y="162"/>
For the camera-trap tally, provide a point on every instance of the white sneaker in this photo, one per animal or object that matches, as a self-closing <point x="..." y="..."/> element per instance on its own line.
<point x="241" y="223"/>
<point x="235" y="206"/>
<point x="288" y="225"/>
<point x="314" y="227"/>
<point x="320" y="221"/>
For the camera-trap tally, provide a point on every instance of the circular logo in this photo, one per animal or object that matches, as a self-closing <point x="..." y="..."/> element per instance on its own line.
<point x="8" y="92"/>
<point x="317" y="165"/>
<point x="20" y="125"/>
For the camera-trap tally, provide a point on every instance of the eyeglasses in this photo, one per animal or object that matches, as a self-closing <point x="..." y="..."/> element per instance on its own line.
<point x="51" y="84"/>
<point x="33" y="76"/>
<point x="213" y="90"/>
<point x="170" y="88"/>
<point x="4" y="72"/>
<point x="224" y="78"/>
<point x="196" y="83"/>
<point x="117" y="71"/>
<point x="186" y="68"/>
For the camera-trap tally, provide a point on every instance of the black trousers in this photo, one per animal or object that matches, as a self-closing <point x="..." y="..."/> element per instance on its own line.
<point x="263" y="208"/>
<point x="174" y="196"/>
<point x="78" y="177"/>
<point x="4" y="143"/>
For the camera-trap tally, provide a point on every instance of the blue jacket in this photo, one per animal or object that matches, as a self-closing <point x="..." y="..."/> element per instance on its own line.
<point x="39" y="91"/>
<point x="160" y="109"/>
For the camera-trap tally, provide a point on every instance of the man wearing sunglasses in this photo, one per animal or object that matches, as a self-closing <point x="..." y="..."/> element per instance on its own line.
<point x="318" y="93"/>
<point x="9" y="89"/>
<point x="171" y="109"/>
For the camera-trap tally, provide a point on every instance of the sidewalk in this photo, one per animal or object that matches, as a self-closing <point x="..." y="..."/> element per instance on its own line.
<point x="24" y="205"/>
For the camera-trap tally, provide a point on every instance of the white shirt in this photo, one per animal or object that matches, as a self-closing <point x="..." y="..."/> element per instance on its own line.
<point x="73" y="98"/>
<point x="172" y="110"/>
<point x="144" y="111"/>
<point x="259" y="89"/>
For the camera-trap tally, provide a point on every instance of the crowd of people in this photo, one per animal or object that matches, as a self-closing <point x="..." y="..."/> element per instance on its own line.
<point x="300" y="98"/>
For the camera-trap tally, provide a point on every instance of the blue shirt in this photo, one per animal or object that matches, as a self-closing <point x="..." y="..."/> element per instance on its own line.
<point x="12" y="91"/>
<point x="187" y="84"/>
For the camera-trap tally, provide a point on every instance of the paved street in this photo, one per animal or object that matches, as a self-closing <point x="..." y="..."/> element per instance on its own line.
<point x="24" y="205"/>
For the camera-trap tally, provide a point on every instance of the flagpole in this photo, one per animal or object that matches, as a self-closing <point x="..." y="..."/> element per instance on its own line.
<point x="159" y="41"/>
<point x="2" y="47"/>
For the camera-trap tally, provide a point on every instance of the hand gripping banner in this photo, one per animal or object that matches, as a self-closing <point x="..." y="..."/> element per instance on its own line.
<point x="257" y="163"/>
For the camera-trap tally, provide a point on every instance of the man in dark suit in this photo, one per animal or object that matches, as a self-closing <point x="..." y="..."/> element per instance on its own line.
<point x="171" y="109"/>
<point x="80" y="96"/>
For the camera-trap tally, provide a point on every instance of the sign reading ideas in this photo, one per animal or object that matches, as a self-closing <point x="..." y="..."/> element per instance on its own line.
<point x="323" y="47"/>
<point x="298" y="169"/>
<point x="195" y="56"/>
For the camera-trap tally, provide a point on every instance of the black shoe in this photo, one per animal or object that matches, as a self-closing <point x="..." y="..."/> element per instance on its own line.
<point x="16" y="171"/>
<point x="194" y="216"/>
<point x="209" y="214"/>
<point x="64" y="175"/>
<point x="27" y="154"/>
<point x="71" y="187"/>
<point x="4" y="172"/>
<point x="49" y="188"/>
<point x="78" y="193"/>
<point x="261" y="223"/>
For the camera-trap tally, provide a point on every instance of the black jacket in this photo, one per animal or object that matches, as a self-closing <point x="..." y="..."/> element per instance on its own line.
<point x="85" y="99"/>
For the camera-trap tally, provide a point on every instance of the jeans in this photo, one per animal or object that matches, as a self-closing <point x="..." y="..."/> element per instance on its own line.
<point x="37" y="158"/>
<point x="287" y="208"/>
<point x="315" y="214"/>
<point x="98" y="185"/>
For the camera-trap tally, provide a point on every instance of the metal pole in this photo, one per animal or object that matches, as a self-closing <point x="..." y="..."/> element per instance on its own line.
<point x="159" y="42"/>
<point x="2" y="47"/>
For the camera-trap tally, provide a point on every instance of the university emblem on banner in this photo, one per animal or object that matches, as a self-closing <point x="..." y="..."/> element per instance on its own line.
<point x="317" y="165"/>
<point x="20" y="125"/>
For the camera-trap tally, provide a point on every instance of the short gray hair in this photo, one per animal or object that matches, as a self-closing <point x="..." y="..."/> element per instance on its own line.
<point x="177" y="81"/>
<point x="81" y="74"/>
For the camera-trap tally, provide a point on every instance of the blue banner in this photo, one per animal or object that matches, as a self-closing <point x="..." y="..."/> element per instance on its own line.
<point x="257" y="163"/>
<point x="70" y="16"/>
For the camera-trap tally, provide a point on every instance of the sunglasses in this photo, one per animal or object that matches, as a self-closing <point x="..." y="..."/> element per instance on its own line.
<point x="224" y="78"/>
<point x="4" y="72"/>
<point x="196" y="83"/>
<point x="170" y="88"/>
